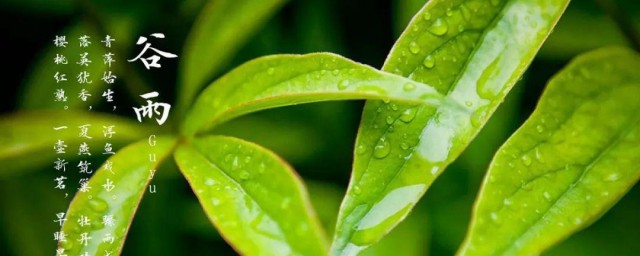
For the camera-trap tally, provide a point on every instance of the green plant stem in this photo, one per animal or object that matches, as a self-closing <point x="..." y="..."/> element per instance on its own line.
<point x="626" y="26"/>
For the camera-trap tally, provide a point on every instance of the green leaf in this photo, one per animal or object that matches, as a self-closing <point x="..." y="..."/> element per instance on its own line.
<point x="282" y="80"/>
<point x="253" y="198"/>
<point x="218" y="33"/>
<point x="27" y="139"/>
<point x="571" y="161"/>
<point x="474" y="52"/>
<point x="40" y="85"/>
<point x="130" y="174"/>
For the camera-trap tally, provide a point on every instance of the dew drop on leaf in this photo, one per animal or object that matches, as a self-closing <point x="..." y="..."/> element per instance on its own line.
<point x="461" y="28"/>
<point x="429" y="62"/>
<point x="526" y="160"/>
<point x="478" y="116"/>
<point x="426" y="16"/>
<point x="439" y="27"/>
<point x="382" y="149"/>
<point x="344" y="84"/>
<point x="98" y="205"/>
<point x="414" y="48"/>
<point x="408" y="87"/>
<point x="389" y="120"/>
<point x="357" y="190"/>
<point x="361" y="149"/>
<point x="244" y="175"/>
<point x="466" y="13"/>
<point x="408" y="115"/>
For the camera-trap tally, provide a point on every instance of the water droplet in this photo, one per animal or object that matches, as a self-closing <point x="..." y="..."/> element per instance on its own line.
<point x="449" y="12"/>
<point x="439" y="27"/>
<point x="389" y="120"/>
<point x="209" y="182"/>
<point x="494" y="216"/>
<point x="285" y="203"/>
<point x="461" y="28"/>
<point x="235" y="164"/>
<point x="382" y="149"/>
<point x="394" y="106"/>
<point x="357" y="190"/>
<point x="335" y="72"/>
<point x="539" y="155"/>
<point x="466" y="13"/>
<point x="526" y="160"/>
<point x="270" y="71"/>
<point x="414" y="48"/>
<point x="343" y="84"/>
<point x="540" y="128"/>
<point x="409" y="87"/>
<point x="468" y="103"/>
<point x="506" y="201"/>
<point x="408" y="115"/>
<point x="478" y="116"/>
<point x="426" y="16"/>
<point x="429" y="62"/>
<point x="215" y="201"/>
<point x="244" y="175"/>
<point x="547" y="196"/>
<point x="98" y="205"/>
<point x="404" y="145"/>
<point x="361" y="149"/>
<point x="613" y="177"/>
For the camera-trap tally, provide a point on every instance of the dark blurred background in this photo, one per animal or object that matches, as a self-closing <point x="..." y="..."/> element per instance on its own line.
<point x="317" y="139"/>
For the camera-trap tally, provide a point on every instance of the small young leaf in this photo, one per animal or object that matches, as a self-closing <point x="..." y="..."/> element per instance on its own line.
<point x="571" y="161"/>
<point x="473" y="51"/>
<point x="129" y="175"/>
<point x="40" y="86"/>
<point x="282" y="80"/>
<point x="254" y="199"/>
<point x="220" y="30"/>
<point x="28" y="134"/>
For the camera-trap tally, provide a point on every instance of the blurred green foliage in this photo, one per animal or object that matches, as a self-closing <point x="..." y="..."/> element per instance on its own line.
<point x="316" y="140"/>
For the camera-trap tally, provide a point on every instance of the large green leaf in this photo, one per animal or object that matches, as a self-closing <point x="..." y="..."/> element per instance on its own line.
<point x="254" y="199"/>
<point x="473" y="51"/>
<point x="282" y="80"/>
<point x="221" y="29"/>
<point x="27" y="139"/>
<point x="40" y="86"/>
<point x="575" y="157"/>
<point x="130" y="174"/>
